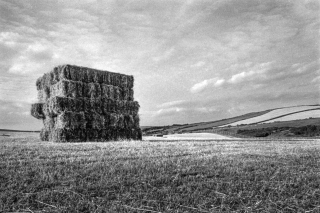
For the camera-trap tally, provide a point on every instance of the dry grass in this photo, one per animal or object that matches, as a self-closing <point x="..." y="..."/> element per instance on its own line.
<point x="181" y="176"/>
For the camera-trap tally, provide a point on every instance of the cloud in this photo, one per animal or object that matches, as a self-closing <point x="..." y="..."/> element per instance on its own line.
<point x="178" y="51"/>
<point x="208" y="83"/>
<point x="255" y="72"/>
<point x="199" y="64"/>
<point x="173" y="103"/>
<point x="313" y="66"/>
<point x="165" y="55"/>
<point x="169" y="111"/>
<point x="316" y="80"/>
<point x="241" y="76"/>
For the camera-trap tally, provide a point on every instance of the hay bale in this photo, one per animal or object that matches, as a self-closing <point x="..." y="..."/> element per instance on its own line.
<point x="57" y="105"/>
<point x="106" y="78"/>
<point x="98" y="76"/>
<point x="89" y="116"/>
<point x="81" y="104"/>
<point x="116" y="93"/>
<point x="131" y="107"/>
<point x="136" y="120"/>
<point x="104" y="90"/>
<point x="92" y="135"/>
<point x="131" y="94"/>
<point x="98" y="121"/>
<point x="78" y="121"/>
<point x="46" y="110"/>
<point x="120" y="123"/>
<point x="65" y="88"/>
<point x="124" y="81"/>
<point x="37" y="110"/>
<point x="113" y="134"/>
<point x="39" y="83"/>
<point x="44" y="135"/>
<point x="94" y="76"/>
<point x="108" y="106"/>
<point x="75" y="104"/>
<point x="68" y="135"/>
<point x="76" y="73"/>
<point x="104" y="135"/>
<point x="87" y="105"/>
<point x="120" y="107"/>
<point x="58" y="135"/>
<point x="90" y="76"/>
<point x="45" y="81"/>
<point x="96" y="105"/>
<point x="56" y="77"/>
<point x="92" y="90"/>
<point x="125" y="94"/>
<point x="71" y="120"/>
<point x="108" y="92"/>
<point x="136" y="134"/>
<point x="84" y="71"/>
<point x="64" y="120"/>
<point x="130" y="82"/>
<point x="43" y="86"/>
<point x="112" y="78"/>
<point x="49" y="123"/>
<point x="63" y="72"/>
<point x="40" y="96"/>
<point x="113" y="120"/>
<point x="128" y="121"/>
<point x="94" y="120"/>
<point x="117" y="80"/>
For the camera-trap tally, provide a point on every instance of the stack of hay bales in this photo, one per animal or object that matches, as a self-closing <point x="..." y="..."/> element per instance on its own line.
<point x="82" y="104"/>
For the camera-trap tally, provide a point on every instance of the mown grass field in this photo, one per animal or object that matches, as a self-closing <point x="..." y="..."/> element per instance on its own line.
<point x="180" y="176"/>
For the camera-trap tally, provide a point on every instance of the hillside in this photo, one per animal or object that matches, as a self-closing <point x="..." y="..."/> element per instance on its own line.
<point x="295" y="116"/>
<point x="176" y="128"/>
<point x="283" y="114"/>
<point x="13" y="130"/>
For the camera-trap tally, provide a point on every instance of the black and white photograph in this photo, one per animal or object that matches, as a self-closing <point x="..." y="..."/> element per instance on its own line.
<point x="159" y="106"/>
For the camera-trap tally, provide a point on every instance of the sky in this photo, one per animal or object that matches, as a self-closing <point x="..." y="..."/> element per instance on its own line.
<point x="192" y="60"/>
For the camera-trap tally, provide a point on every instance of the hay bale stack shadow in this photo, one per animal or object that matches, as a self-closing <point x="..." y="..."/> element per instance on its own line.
<point x="79" y="104"/>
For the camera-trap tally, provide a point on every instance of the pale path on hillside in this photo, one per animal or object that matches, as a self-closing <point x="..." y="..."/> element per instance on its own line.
<point x="188" y="136"/>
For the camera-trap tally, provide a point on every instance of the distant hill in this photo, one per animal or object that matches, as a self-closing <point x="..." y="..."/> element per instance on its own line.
<point x="295" y="116"/>
<point x="282" y="114"/>
<point x="12" y="130"/>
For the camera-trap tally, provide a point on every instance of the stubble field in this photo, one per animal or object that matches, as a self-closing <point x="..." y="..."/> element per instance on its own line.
<point x="159" y="176"/>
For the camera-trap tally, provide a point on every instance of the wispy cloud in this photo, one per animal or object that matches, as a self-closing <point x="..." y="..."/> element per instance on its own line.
<point x="253" y="72"/>
<point x="213" y="82"/>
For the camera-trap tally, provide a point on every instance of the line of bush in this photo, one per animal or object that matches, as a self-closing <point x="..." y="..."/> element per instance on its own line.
<point x="304" y="131"/>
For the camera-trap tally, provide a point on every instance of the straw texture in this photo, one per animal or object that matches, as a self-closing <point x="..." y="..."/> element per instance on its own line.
<point x="80" y="104"/>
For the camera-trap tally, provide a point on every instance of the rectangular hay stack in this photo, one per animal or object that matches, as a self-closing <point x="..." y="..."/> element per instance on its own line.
<point x="80" y="104"/>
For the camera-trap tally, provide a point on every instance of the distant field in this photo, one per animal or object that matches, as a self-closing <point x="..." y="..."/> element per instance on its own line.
<point x="297" y="116"/>
<point x="268" y="116"/>
<point x="292" y="123"/>
<point x="181" y="176"/>
<point x="281" y="113"/>
<point x="204" y="125"/>
<point x="222" y="122"/>
<point x="188" y="136"/>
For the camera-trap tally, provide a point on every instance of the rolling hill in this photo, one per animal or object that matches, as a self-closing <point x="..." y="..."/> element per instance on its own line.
<point x="297" y="115"/>
<point x="283" y="114"/>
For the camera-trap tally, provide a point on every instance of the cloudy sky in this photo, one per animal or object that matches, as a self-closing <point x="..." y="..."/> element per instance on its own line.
<point x="193" y="60"/>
